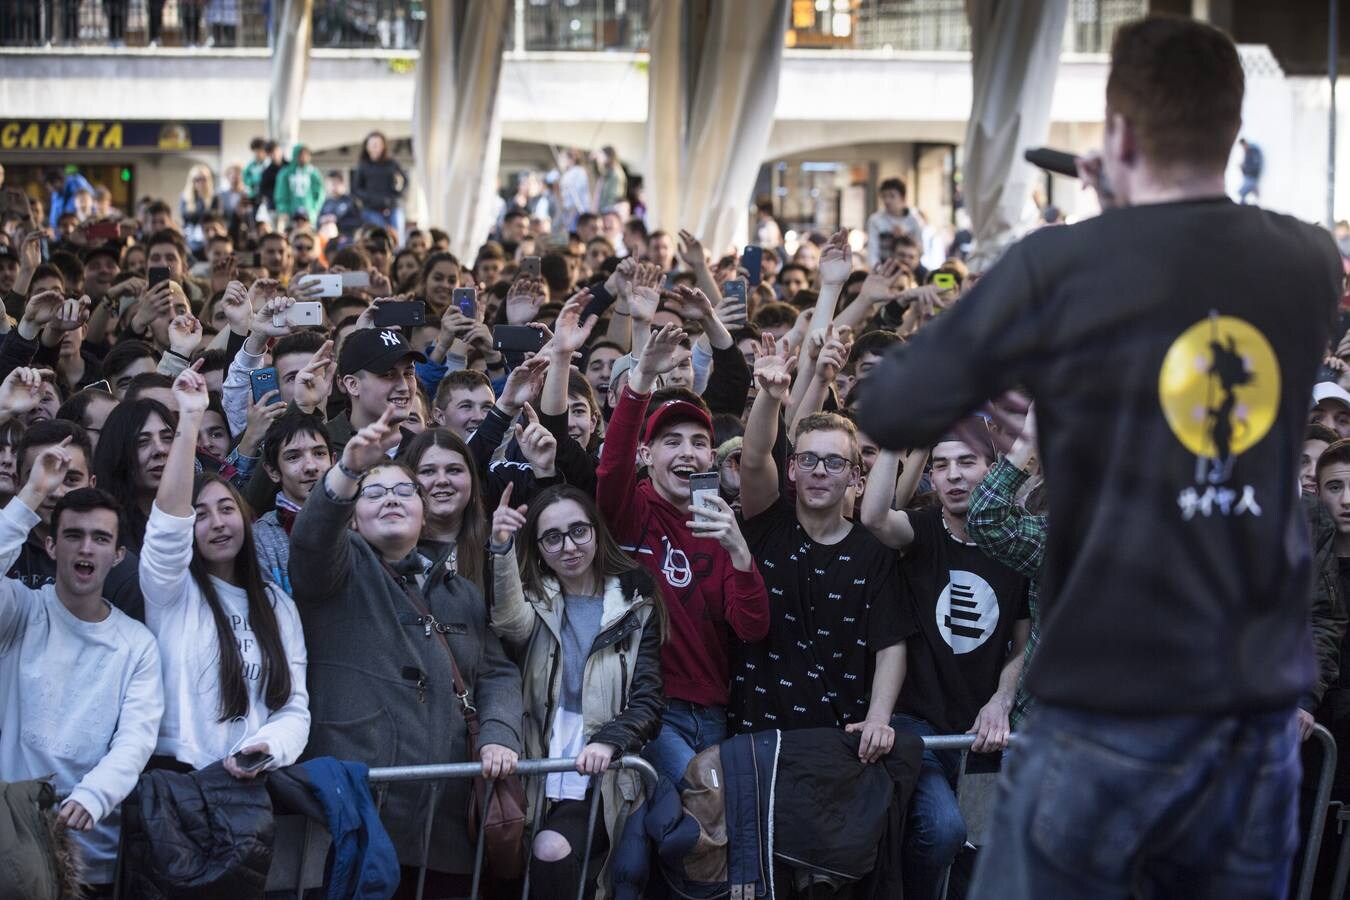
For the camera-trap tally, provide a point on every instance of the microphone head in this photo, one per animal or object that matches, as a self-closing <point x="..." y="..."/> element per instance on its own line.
<point x="1056" y="161"/>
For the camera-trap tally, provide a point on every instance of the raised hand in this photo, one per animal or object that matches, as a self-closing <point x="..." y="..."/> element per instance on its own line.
<point x="262" y="290"/>
<point x="261" y="414"/>
<point x="537" y="444"/>
<point x="270" y="319"/>
<point x="658" y="357"/>
<point x="621" y="279"/>
<point x="836" y="259"/>
<point x="223" y="271"/>
<point x="314" y="383"/>
<point x="524" y="299"/>
<point x="189" y="389"/>
<point x="30" y="250"/>
<point x="717" y="520"/>
<point x="369" y="445"/>
<point x="691" y="251"/>
<point x="645" y="293"/>
<point x="883" y="284"/>
<point x="523" y="384"/>
<point x="71" y="316"/>
<point x="20" y="392"/>
<point x="185" y="333"/>
<point x="507" y="520"/>
<point x="48" y="471"/>
<point x="833" y="356"/>
<point x="237" y="307"/>
<point x="570" y="333"/>
<point x="43" y="308"/>
<point x="694" y="304"/>
<point x="771" y="369"/>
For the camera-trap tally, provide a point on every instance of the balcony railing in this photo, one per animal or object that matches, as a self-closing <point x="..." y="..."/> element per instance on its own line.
<point x="538" y="25"/>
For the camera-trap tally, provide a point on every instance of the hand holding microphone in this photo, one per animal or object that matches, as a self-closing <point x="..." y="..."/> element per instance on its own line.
<point x="1087" y="169"/>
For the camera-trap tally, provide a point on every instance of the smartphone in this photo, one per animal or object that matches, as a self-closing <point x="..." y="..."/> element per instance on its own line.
<point x="354" y="280"/>
<point x="529" y="266"/>
<point x="703" y="487"/>
<point x="517" y="339"/>
<point x="249" y="260"/>
<point x="734" y="289"/>
<point x="944" y="280"/>
<point x="752" y="260"/>
<point x="155" y="275"/>
<point x="305" y="313"/>
<point x="329" y="285"/>
<point x="466" y="299"/>
<point x="99" y="386"/>
<point x="262" y="381"/>
<point x="407" y="313"/>
<point x="103" y="231"/>
<point x="252" y="762"/>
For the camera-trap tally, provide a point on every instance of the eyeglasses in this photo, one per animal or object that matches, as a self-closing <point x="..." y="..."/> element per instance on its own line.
<point x="404" y="489"/>
<point x="580" y="533"/>
<point x="834" y="463"/>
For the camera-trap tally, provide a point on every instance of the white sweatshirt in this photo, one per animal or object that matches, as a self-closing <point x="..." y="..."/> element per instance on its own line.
<point x="79" y="699"/>
<point x="178" y="615"/>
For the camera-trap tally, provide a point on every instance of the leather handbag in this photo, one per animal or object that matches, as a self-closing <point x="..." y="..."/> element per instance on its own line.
<point x="501" y="817"/>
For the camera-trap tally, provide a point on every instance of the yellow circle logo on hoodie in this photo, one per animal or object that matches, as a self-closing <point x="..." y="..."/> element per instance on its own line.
<point x="1220" y="387"/>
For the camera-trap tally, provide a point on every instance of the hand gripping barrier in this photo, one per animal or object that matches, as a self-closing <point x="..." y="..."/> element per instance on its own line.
<point x="525" y="768"/>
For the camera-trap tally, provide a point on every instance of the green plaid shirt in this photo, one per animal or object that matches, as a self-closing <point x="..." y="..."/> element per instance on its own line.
<point x="1006" y="532"/>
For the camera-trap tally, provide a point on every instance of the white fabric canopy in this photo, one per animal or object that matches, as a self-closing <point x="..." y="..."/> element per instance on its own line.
<point x="456" y="122"/>
<point x="712" y="89"/>
<point x="1015" y="47"/>
<point x="290" y="68"/>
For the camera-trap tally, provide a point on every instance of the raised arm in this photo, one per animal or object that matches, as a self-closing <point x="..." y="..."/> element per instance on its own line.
<point x="759" y="472"/>
<point x="890" y="526"/>
<point x="691" y="252"/>
<point x="510" y="617"/>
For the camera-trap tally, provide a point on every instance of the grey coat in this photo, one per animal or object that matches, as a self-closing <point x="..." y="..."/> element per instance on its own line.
<point x="380" y="684"/>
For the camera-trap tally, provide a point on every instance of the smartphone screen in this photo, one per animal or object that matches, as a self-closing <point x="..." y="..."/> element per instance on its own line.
<point x="466" y="299"/>
<point x="102" y="231"/>
<point x="409" y="313"/>
<point x="263" y="381"/>
<point x="703" y="486"/>
<point x="517" y="339"/>
<point x="735" y="288"/>
<point x="752" y="260"/>
<point x="155" y="275"/>
<point x="252" y="762"/>
<point x="530" y="266"/>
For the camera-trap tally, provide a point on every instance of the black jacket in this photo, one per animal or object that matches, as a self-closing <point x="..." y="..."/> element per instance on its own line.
<point x="379" y="185"/>
<point x="198" y="834"/>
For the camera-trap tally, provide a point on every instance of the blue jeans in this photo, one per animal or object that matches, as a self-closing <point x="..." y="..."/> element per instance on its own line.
<point x="686" y="729"/>
<point x="1104" y="806"/>
<point x="934" y="828"/>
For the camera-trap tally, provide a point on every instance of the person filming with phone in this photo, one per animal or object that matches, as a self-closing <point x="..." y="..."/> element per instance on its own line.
<point x="1171" y="397"/>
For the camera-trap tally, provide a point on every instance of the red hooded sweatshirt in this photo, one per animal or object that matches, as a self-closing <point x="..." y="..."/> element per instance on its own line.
<point x="704" y="592"/>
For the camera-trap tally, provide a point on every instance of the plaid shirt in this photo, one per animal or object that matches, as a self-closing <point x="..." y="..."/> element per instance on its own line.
<point x="1006" y="532"/>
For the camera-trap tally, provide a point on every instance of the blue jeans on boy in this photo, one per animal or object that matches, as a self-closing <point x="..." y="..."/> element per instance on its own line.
<point x="686" y="730"/>
<point x="935" y="831"/>
<point x="1107" y="806"/>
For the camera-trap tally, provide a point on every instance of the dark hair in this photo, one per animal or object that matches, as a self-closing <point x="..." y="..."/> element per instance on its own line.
<point x="771" y="315"/>
<point x="144" y="382"/>
<point x="471" y="542"/>
<point x="725" y="427"/>
<point x="115" y="457"/>
<point x="876" y="342"/>
<point x="587" y="218"/>
<point x="69" y="265"/>
<point x="286" y="429"/>
<point x="299" y="342"/>
<point x="459" y="380"/>
<point x="212" y="360"/>
<point x="1337" y="454"/>
<point x="88" y="499"/>
<point x="553" y="267"/>
<point x="411" y="283"/>
<point x="273" y="236"/>
<point x="276" y="673"/>
<point x="433" y="260"/>
<point x="1179" y="83"/>
<point x="169" y="236"/>
<point x="791" y="267"/>
<point x="351" y="258"/>
<point x="578" y="386"/>
<point x="53" y="431"/>
<point x="257" y="144"/>
<point x="124" y="355"/>
<point x="438" y="236"/>
<point x="515" y="212"/>
<point x="76" y="408"/>
<point x="365" y="154"/>
<point x="610" y="560"/>
<point x="1320" y="433"/>
<point x="46" y="270"/>
<point x="894" y="184"/>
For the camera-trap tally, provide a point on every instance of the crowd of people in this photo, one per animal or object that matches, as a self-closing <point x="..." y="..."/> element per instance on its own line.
<point x="600" y="483"/>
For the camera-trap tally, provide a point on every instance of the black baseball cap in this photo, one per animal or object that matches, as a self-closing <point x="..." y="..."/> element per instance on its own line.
<point x="109" y="249"/>
<point x="375" y="350"/>
<point x="8" y="252"/>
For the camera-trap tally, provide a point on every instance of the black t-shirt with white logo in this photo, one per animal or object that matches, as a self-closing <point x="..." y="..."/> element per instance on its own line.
<point x="832" y="607"/>
<point x="965" y="606"/>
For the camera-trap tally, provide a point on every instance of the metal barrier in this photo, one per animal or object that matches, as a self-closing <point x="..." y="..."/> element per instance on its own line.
<point x="1321" y="805"/>
<point x="525" y="768"/>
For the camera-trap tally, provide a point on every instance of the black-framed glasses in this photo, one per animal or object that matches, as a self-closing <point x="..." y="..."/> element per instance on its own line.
<point x="404" y="489"/>
<point x="834" y="463"/>
<point x="581" y="534"/>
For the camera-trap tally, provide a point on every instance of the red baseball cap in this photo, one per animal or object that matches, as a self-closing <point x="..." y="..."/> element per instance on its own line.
<point x="673" y="411"/>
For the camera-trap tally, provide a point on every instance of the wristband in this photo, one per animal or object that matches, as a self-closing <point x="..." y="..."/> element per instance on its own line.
<point x="172" y="352"/>
<point x="498" y="549"/>
<point x="354" y="476"/>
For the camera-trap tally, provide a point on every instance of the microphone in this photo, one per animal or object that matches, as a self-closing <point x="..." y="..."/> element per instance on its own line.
<point x="1056" y="161"/>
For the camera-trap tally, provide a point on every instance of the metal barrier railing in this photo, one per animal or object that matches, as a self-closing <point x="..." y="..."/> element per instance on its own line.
<point x="1321" y="804"/>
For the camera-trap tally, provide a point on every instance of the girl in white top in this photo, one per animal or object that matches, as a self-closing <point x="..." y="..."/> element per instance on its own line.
<point x="232" y="648"/>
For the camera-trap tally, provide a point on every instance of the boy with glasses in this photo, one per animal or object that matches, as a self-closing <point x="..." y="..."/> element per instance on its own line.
<point x="835" y="652"/>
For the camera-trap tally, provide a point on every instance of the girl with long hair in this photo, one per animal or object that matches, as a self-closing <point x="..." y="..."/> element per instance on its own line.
<point x="455" y="533"/>
<point x="379" y="184"/>
<point x="199" y="194"/>
<point x="129" y="462"/>
<point x="587" y="622"/>
<point x="231" y="645"/>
